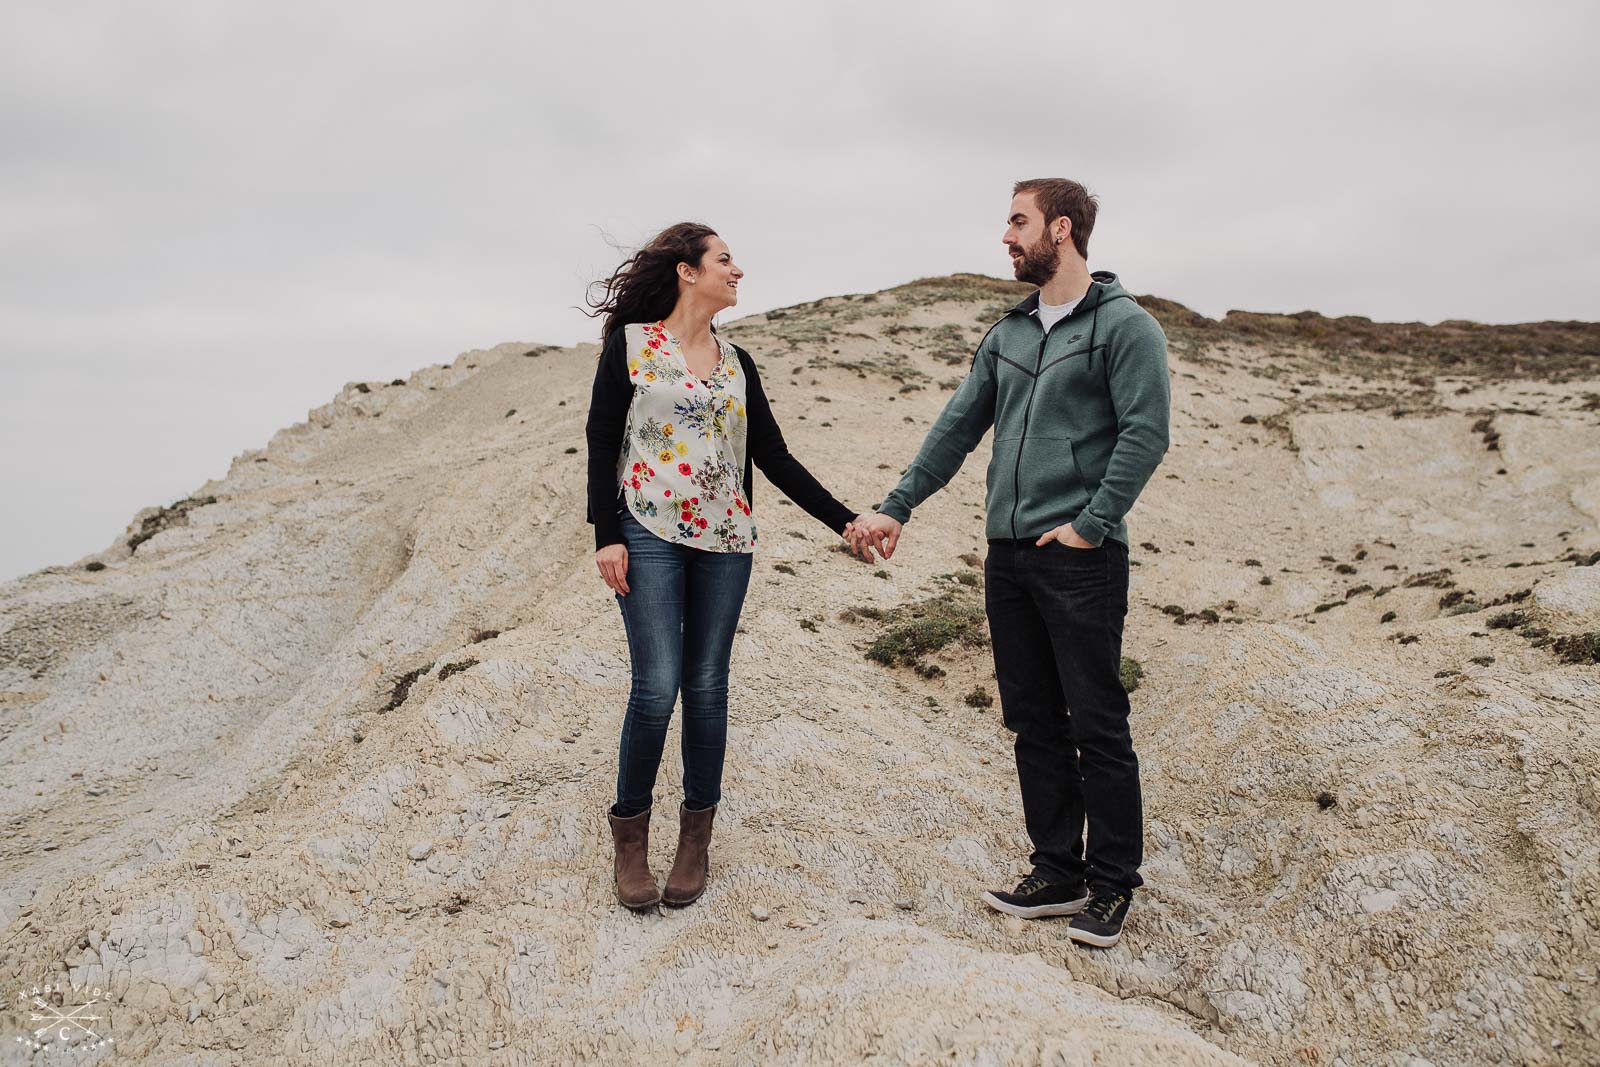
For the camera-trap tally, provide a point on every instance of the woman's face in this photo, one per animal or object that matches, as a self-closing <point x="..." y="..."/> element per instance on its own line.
<point x="718" y="278"/>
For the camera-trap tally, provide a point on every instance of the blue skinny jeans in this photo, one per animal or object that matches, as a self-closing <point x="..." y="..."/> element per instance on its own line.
<point x="680" y="613"/>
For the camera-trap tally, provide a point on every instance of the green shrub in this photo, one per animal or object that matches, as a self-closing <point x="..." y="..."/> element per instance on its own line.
<point x="928" y="626"/>
<point x="1132" y="673"/>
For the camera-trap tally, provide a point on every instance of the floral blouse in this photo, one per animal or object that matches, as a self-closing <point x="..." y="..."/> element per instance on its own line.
<point x="684" y="445"/>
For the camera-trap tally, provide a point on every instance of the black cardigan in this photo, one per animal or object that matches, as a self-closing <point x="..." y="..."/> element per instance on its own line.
<point x="608" y="416"/>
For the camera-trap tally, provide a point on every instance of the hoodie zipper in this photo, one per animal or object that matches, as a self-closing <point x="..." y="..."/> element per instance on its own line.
<point x="1016" y="472"/>
<point x="1038" y="363"/>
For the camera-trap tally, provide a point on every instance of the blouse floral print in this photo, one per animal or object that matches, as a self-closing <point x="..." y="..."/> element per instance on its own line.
<point x="684" y="445"/>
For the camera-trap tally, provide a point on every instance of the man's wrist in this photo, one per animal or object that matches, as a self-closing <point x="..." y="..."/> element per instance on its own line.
<point x="894" y="511"/>
<point x="1089" y="528"/>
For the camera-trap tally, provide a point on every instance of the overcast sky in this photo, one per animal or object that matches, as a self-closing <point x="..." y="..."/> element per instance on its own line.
<point x="215" y="215"/>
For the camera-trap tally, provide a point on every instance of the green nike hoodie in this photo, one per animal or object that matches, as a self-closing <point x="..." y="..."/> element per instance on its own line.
<point x="1080" y="419"/>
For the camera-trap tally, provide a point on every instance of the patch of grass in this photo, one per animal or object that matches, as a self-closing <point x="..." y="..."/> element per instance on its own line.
<point x="456" y="668"/>
<point x="402" y="687"/>
<point x="978" y="698"/>
<point x="1306" y="341"/>
<point x="783" y="568"/>
<point x="1132" y="673"/>
<point x="172" y="515"/>
<point x="1507" y="620"/>
<point x="928" y="626"/>
<point x="1578" y="648"/>
<point x="1439" y="579"/>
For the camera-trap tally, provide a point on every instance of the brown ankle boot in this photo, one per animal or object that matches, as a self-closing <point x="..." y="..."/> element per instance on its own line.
<point x="636" y="886"/>
<point x="693" y="862"/>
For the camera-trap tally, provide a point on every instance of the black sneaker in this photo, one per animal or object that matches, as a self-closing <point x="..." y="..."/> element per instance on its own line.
<point x="1034" y="898"/>
<point x="1100" y="923"/>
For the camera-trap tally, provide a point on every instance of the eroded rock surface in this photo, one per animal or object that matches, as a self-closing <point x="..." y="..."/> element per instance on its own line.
<point x="269" y="781"/>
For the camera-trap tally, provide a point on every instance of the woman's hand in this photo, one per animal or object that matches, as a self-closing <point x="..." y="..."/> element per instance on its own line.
<point x="853" y="536"/>
<point x="879" y="531"/>
<point x="613" y="563"/>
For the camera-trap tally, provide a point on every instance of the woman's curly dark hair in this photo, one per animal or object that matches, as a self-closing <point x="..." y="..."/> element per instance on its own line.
<point x="645" y="287"/>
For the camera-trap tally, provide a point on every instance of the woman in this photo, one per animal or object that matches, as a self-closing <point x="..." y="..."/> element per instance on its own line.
<point x="676" y="418"/>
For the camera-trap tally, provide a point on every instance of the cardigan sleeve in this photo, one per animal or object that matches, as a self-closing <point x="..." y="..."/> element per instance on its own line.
<point x="608" y="415"/>
<point x="771" y="454"/>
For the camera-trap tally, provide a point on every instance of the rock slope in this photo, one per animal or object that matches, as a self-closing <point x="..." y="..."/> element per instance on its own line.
<point x="313" y="765"/>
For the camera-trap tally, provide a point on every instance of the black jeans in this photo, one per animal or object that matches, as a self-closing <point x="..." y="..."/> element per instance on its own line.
<point x="1056" y="614"/>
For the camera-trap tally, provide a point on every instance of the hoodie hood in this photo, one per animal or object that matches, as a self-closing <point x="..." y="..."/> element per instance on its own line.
<point x="1103" y="287"/>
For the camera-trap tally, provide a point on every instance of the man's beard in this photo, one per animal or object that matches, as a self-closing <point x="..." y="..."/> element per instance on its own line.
<point x="1039" y="263"/>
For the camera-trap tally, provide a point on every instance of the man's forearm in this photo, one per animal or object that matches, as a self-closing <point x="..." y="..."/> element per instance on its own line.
<point x="955" y="433"/>
<point x="1134" y="459"/>
<point x="1141" y="396"/>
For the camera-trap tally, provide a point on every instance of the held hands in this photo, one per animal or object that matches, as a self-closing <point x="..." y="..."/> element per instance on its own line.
<point x="1066" y="535"/>
<point x="878" y="531"/>
<point x="858" y="546"/>
<point x="863" y="534"/>
<point x="613" y="563"/>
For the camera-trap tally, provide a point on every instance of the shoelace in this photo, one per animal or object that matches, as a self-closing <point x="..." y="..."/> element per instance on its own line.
<point x="1030" y="885"/>
<point x="1104" y="905"/>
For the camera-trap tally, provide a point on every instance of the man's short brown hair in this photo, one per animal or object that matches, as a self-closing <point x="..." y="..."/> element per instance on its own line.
<point x="1060" y="196"/>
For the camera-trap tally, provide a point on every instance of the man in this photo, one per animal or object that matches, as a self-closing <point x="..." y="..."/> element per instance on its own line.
<point x="1074" y="381"/>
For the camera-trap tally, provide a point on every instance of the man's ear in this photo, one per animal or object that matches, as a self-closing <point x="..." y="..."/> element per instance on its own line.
<point x="1063" y="228"/>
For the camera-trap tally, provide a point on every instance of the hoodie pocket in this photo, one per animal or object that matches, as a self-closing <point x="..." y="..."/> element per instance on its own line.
<point x="1002" y="464"/>
<point x="1051" y="486"/>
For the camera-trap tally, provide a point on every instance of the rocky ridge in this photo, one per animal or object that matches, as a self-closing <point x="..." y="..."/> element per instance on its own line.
<point x="312" y="765"/>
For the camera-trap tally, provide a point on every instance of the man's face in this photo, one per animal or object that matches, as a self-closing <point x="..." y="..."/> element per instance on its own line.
<point x="1034" y="254"/>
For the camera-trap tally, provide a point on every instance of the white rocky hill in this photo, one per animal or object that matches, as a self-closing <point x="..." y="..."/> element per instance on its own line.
<point x="312" y="766"/>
